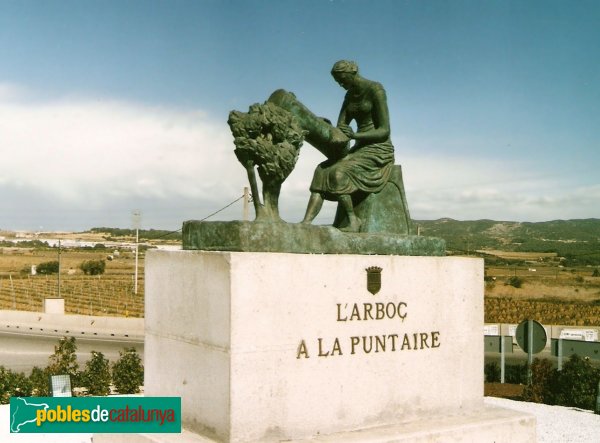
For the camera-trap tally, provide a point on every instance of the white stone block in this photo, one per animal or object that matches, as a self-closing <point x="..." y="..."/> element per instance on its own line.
<point x="54" y="305"/>
<point x="227" y="332"/>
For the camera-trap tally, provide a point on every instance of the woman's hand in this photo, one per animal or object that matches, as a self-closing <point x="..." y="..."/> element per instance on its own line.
<point x="347" y="130"/>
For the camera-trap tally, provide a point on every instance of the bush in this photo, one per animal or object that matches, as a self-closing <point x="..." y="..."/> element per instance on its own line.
<point x="96" y="376"/>
<point x="39" y="379"/>
<point x="93" y="267"/>
<point x="516" y="374"/>
<point x="23" y="386"/>
<point x="13" y="384"/>
<point x="576" y="384"/>
<point x="128" y="372"/>
<point x="492" y="372"/>
<point x="515" y="281"/>
<point x="542" y="376"/>
<point x="49" y="267"/>
<point x="596" y="273"/>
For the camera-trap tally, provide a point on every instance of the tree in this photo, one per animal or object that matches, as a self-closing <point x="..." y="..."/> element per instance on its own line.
<point x="64" y="359"/>
<point x="49" y="267"/>
<point x="267" y="138"/>
<point x="515" y="282"/>
<point x="128" y="372"/>
<point x="96" y="375"/>
<point x="93" y="267"/>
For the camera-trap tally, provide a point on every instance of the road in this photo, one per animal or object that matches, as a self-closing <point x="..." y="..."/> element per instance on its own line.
<point x="21" y="351"/>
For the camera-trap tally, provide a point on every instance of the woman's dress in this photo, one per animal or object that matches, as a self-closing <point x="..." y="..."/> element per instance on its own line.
<point x="367" y="166"/>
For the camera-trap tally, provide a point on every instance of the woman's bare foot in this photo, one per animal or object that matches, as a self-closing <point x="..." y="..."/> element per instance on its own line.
<point x="353" y="225"/>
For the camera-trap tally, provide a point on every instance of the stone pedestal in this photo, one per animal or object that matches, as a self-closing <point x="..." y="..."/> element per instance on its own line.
<point x="275" y="346"/>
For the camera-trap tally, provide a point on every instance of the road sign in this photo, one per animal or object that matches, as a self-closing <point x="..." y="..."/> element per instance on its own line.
<point x="531" y="333"/>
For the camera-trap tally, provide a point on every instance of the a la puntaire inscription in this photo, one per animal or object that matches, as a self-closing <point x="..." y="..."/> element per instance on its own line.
<point x="370" y="344"/>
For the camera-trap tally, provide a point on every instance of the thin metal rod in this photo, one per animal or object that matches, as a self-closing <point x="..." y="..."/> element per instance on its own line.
<point x="502" y="359"/>
<point x="246" y="203"/>
<point x="560" y="354"/>
<point x="529" y="350"/>
<point x="58" y="268"/>
<point x="137" y="242"/>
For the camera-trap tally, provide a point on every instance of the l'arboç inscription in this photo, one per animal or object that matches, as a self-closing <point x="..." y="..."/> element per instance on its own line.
<point x="370" y="344"/>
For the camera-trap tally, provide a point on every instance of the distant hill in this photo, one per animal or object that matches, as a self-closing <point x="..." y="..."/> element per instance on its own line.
<point x="576" y="240"/>
<point x="144" y="234"/>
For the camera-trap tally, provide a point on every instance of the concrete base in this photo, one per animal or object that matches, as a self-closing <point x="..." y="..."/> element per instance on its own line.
<point x="274" y="347"/>
<point x="492" y="424"/>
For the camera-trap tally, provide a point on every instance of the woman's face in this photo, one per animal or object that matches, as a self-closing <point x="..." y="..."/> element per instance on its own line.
<point x="344" y="79"/>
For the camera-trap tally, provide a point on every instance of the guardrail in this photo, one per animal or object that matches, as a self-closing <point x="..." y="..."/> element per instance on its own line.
<point x="565" y="348"/>
<point x="585" y="333"/>
<point x="74" y="325"/>
<point x="564" y="342"/>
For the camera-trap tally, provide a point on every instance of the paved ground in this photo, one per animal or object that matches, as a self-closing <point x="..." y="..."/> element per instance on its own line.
<point x="557" y="424"/>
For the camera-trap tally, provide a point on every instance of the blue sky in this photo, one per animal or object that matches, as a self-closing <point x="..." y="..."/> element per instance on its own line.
<point x="111" y="106"/>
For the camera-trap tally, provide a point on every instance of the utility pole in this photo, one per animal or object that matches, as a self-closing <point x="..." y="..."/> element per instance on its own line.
<point x="59" y="268"/>
<point x="12" y="288"/>
<point x="136" y="225"/>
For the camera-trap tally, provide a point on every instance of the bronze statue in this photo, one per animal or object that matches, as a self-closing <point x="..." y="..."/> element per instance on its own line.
<point x="367" y="166"/>
<point x="362" y="178"/>
<point x="359" y="174"/>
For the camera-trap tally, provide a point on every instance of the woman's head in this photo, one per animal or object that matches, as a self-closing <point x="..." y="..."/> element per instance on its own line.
<point x="344" y="66"/>
<point x="344" y="72"/>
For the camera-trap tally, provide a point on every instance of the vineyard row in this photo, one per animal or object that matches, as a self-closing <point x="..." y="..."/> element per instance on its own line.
<point x="508" y="310"/>
<point x="86" y="295"/>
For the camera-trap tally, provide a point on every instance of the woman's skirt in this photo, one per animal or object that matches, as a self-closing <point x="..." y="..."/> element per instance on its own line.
<point x="365" y="169"/>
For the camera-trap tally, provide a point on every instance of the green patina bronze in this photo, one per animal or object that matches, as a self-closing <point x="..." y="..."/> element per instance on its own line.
<point x="366" y="167"/>
<point x="302" y="239"/>
<point x="267" y="138"/>
<point x="359" y="173"/>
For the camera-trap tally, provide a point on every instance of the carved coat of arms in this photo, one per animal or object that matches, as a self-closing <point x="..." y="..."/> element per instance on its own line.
<point x="373" y="279"/>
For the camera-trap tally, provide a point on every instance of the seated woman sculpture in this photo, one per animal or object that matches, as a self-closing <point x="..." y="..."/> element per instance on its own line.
<point x="368" y="164"/>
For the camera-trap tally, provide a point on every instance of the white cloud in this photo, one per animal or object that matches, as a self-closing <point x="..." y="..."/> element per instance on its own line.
<point x="466" y="188"/>
<point x="88" y="149"/>
<point x="9" y="91"/>
<point x="101" y="154"/>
